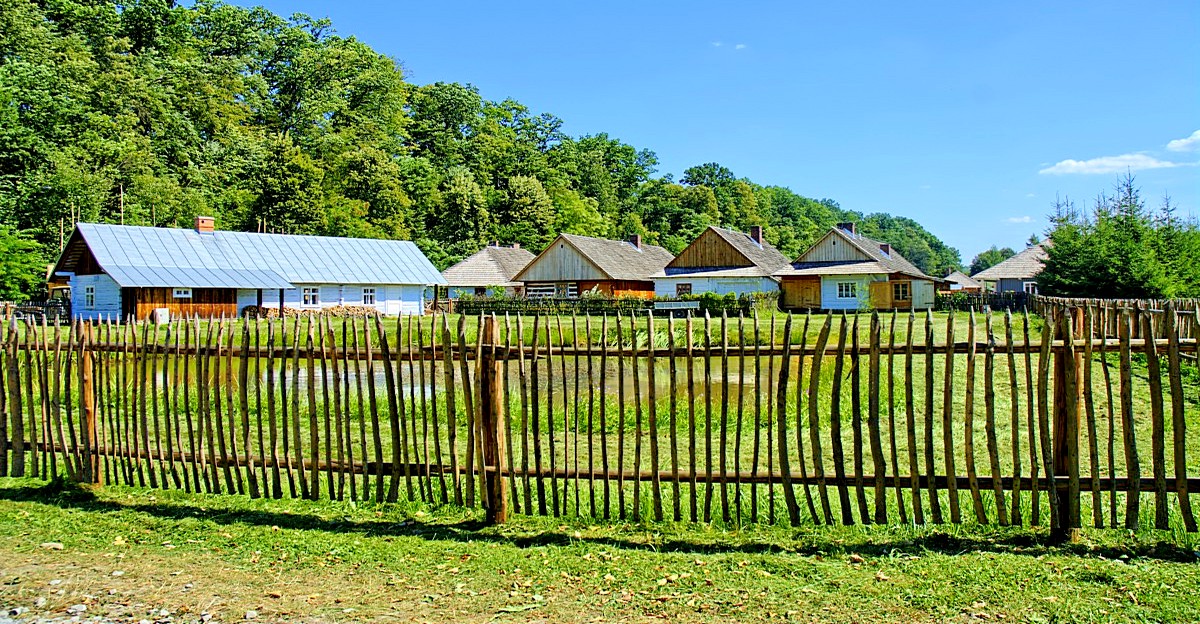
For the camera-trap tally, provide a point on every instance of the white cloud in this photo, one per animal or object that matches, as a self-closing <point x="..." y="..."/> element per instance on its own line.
<point x="717" y="44"/>
<point x="926" y="187"/>
<point x="1190" y="144"/>
<point x="1108" y="164"/>
<point x="1025" y="219"/>
<point x="740" y="46"/>
<point x="1030" y="194"/>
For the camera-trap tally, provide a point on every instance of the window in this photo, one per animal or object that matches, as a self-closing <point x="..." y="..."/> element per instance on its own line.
<point x="89" y="297"/>
<point x="1031" y="287"/>
<point x="901" y="291"/>
<point x="182" y="293"/>
<point x="311" y="296"/>
<point x="847" y="290"/>
<point x="481" y="291"/>
<point x="683" y="289"/>
<point x="566" y="290"/>
<point x="369" y="296"/>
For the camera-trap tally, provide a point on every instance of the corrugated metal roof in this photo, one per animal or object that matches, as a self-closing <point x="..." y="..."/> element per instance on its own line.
<point x="164" y="257"/>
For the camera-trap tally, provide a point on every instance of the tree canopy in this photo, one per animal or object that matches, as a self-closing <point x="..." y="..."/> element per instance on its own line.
<point x="989" y="258"/>
<point x="1121" y="250"/>
<point x="151" y="113"/>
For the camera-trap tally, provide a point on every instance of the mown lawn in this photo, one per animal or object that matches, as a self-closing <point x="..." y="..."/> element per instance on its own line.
<point x="132" y="553"/>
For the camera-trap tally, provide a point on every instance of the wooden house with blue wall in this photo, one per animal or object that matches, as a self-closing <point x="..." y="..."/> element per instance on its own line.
<point x="118" y="271"/>
<point x="845" y="270"/>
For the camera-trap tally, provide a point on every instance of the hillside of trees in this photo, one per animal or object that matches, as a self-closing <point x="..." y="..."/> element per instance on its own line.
<point x="1120" y="249"/>
<point x="148" y="113"/>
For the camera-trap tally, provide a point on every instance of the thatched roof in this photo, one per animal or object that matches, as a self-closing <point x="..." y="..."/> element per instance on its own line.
<point x="1025" y="265"/>
<point x="490" y="266"/>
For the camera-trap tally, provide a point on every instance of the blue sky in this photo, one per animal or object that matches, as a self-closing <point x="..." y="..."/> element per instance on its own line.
<point x="968" y="117"/>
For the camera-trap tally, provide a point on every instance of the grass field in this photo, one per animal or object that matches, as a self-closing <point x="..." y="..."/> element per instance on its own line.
<point x="133" y="553"/>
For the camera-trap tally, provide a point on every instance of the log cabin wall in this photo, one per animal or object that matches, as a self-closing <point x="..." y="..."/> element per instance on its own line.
<point x="619" y="288"/>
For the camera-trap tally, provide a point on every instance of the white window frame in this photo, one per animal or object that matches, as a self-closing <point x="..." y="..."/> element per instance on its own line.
<point x="89" y="297"/>
<point x="847" y="290"/>
<point x="310" y="296"/>
<point x="181" y="293"/>
<point x="368" y="296"/>
<point x="1030" y="288"/>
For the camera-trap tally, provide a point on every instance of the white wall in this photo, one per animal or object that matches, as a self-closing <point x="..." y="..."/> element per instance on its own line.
<point x="665" y="286"/>
<point x="391" y="299"/>
<point x="107" y="299"/>
<point x="829" y="291"/>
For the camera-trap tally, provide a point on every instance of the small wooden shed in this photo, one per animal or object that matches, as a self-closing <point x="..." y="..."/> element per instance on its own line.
<point x="848" y="271"/>
<point x="722" y="261"/>
<point x="488" y="271"/>
<point x="957" y="281"/>
<point x="572" y="265"/>
<point x="118" y="271"/>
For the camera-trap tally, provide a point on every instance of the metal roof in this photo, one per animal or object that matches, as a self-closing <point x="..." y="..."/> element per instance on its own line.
<point x="164" y="257"/>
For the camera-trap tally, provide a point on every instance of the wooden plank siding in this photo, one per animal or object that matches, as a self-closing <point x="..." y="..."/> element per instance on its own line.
<point x="834" y="248"/>
<point x="801" y="293"/>
<point x="204" y="302"/>
<point x="562" y="263"/>
<point x="709" y="250"/>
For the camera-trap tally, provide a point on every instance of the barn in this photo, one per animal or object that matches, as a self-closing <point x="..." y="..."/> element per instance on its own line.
<point x="845" y="270"/>
<point x="572" y="265"/>
<point x="722" y="261"/>
<point x="118" y="271"/>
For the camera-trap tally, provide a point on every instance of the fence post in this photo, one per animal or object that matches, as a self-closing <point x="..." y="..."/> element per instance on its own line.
<point x="87" y="391"/>
<point x="488" y="376"/>
<point x="1068" y="404"/>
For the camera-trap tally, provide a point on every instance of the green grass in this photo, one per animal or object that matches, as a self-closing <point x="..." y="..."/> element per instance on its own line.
<point x="325" y="561"/>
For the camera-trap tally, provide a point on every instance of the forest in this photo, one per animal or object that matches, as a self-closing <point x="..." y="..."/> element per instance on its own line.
<point x="149" y="113"/>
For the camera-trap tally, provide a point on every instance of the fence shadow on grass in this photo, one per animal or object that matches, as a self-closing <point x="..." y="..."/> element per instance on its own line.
<point x="823" y="541"/>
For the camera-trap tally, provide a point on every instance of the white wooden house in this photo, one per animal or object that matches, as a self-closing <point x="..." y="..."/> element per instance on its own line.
<point x="117" y="271"/>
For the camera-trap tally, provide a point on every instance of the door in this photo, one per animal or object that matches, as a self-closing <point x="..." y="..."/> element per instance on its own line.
<point x="881" y="295"/>
<point x="810" y="295"/>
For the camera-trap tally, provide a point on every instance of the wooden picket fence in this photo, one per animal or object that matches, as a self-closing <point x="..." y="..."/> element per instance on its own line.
<point x="803" y="419"/>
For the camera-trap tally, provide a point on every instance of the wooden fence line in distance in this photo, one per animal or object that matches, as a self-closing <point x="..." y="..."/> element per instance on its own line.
<point x="839" y="418"/>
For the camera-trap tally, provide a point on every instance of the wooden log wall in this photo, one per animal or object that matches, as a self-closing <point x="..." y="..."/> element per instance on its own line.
<point x="1068" y="419"/>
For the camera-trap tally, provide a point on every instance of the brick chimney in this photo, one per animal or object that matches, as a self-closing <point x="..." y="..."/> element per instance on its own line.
<point x="756" y="234"/>
<point x="886" y="248"/>
<point x="636" y="241"/>
<point x="205" y="225"/>
<point x="848" y="227"/>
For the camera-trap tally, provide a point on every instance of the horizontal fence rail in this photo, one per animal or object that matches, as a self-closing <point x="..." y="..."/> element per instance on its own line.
<point x="1066" y="418"/>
